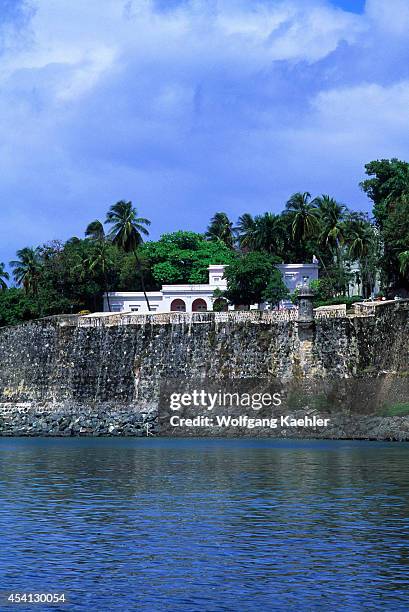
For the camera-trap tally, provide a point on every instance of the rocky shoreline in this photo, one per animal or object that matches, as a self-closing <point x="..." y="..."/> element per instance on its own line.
<point x="78" y="420"/>
<point x="107" y="420"/>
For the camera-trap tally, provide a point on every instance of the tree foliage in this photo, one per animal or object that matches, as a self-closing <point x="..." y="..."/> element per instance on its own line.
<point x="127" y="231"/>
<point x="4" y="277"/>
<point x="221" y="229"/>
<point x="184" y="257"/>
<point x="248" y="277"/>
<point x="276" y="289"/>
<point x="68" y="277"/>
<point x="388" y="188"/>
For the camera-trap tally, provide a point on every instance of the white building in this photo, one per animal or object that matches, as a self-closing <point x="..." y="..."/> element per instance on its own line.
<point x="296" y="275"/>
<point x="198" y="298"/>
<point x="355" y="285"/>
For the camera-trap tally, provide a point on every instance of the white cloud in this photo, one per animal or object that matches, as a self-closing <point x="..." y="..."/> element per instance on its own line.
<point x="391" y="16"/>
<point x="314" y="33"/>
<point x="88" y="38"/>
<point x="216" y="104"/>
<point x="378" y="110"/>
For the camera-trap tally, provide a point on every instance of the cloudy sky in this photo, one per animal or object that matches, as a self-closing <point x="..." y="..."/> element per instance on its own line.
<point x="187" y="107"/>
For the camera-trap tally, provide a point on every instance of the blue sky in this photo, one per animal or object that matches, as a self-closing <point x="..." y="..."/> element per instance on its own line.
<point x="355" y="6"/>
<point x="191" y="107"/>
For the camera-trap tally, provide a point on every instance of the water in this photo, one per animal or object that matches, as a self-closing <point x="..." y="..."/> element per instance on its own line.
<point x="205" y="525"/>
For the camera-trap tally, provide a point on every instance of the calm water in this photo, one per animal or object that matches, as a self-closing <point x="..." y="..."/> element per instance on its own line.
<point x="206" y="525"/>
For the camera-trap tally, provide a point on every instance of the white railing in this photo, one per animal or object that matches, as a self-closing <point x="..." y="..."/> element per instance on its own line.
<point x="330" y="312"/>
<point x="177" y="318"/>
<point x="263" y="317"/>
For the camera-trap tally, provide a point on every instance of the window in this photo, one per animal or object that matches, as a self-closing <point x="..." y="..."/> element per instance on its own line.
<point x="216" y="278"/>
<point x="178" y="305"/>
<point x="116" y="308"/>
<point x="134" y="308"/>
<point x="199" y="305"/>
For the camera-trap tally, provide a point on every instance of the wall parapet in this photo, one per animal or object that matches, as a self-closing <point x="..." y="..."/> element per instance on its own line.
<point x="330" y="312"/>
<point x="377" y="307"/>
<point x="263" y="317"/>
<point x="175" y="318"/>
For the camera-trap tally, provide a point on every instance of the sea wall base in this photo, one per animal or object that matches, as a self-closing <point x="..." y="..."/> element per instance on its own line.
<point x="110" y="420"/>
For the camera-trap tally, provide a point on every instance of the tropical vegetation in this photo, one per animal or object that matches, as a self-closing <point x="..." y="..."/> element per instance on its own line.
<point x="117" y="254"/>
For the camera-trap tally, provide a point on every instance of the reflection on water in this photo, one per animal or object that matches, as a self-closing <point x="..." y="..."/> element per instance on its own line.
<point x="212" y="525"/>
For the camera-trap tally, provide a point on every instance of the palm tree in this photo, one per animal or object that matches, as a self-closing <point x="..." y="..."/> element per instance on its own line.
<point x="332" y="216"/>
<point x="362" y="246"/>
<point x="304" y="213"/>
<point x="100" y="262"/>
<point x="126" y="232"/>
<point x="95" y="230"/>
<point x="359" y="236"/>
<point x="266" y="234"/>
<point x="4" y="276"/>
<point x="27" y="269"/>
<point x="221" y="228"/>
<point x="404" y="262"/>
<point x="245" y="226"/>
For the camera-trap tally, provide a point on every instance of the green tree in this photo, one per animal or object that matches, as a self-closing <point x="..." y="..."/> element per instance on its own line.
<point x="95" y="230"/>
<point x="324" y="293"/>
<point x="245" y="227"/>
<point x="4" y="276"/>
<point x="16" y="306"/>
<point x="388" y="188"/>
<point x="100" y="263"/>
<point x="359" y="236"/>
<point x="220" y="304"/>
<point x="221" y="228"/>
<point x="184" y="257"/>
<point x="66" y="284"/>
<point x="276" y="289"/>
<point x="27" y="269"/>
<point x="404" y="262"/>
<point x="332" y="237"/>
<point x="296" y="250"/>
<point x="248" y="277"/>
<point x="126" y="232"/>
<point x="304" y="216"/>
<point x="332" y="217"/>
<point x="265" y="234"/>
<point x="388" y="183"/>
<point x="362" y="244"/>
<point x="324" y="289"/>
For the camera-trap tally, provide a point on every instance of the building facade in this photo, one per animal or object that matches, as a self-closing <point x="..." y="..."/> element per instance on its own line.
<point x="356" y="286"/>
<point x="296" y="275"/>
<point x="199" y="298"/>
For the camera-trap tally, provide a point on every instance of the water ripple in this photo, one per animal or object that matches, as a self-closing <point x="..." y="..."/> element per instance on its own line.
<point x="215" y="525"/>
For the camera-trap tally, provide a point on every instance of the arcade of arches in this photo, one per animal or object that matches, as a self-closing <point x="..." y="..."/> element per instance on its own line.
<point x="198" y="305"/>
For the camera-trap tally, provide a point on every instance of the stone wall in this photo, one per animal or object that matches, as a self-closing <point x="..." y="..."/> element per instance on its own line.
<point x="64" y="376"/>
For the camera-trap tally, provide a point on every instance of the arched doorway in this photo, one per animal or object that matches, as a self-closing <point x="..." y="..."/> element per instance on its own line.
<point x="220" y="305"/>
<point x="199" y="305"/>
<point x="178" y="305"/>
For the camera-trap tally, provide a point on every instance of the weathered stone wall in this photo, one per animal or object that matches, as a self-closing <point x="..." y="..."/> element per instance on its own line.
<point x="45" y="362"/>
<point x="105" y="379"/>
